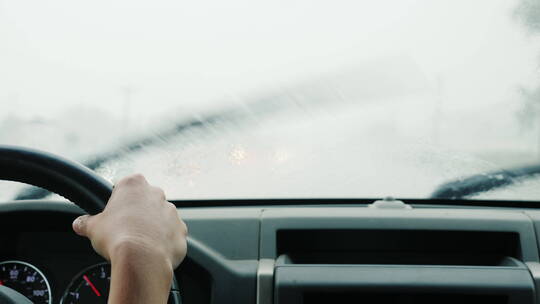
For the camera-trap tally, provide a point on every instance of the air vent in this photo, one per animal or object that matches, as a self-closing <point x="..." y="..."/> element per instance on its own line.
<point x="414" y="247"/>
<point x="398" y="298"/>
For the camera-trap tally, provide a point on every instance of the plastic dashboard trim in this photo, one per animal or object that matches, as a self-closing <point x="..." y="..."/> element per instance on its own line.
<point x="244" y="273"/>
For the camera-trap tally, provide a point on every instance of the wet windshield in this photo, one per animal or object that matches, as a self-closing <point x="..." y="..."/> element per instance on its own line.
<point x="277" y="99"/>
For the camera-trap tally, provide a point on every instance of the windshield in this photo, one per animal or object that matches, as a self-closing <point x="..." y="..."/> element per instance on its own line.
<point x="277" y="99"/>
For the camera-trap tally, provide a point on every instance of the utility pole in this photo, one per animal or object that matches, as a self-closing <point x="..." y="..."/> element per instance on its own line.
<point x="537" y="121"/>
<point x="437" y="111"/>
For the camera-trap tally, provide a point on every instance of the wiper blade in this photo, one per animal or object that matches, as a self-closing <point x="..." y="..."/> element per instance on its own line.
<point x="479" y="183"/>
<point x="317" y="91"/>
<point x="30" y="193"/>
<point x="233" y="115"/>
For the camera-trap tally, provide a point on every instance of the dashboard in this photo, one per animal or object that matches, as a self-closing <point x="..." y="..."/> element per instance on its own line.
<point x="42" y="259"/>
<point x="42" y="241"/>
<point x="307" y="254"/>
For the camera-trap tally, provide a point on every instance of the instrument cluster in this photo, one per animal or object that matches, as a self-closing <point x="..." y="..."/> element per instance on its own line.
<point x="91" y="285"/>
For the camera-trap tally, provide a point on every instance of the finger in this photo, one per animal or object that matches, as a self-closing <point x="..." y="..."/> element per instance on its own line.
<point x="185" y="228"/>
<point x="136" y="180"/>
<point x="159" y="193"/>
<point x="128" y="184"/>
<point x="80" y="225"/>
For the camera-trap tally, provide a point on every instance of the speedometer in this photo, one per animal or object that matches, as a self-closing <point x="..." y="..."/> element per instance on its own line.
<point x="27" y="280"/>
<point x="90" y="286"/>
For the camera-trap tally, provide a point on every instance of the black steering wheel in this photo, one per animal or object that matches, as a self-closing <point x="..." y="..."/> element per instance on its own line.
<point x="56" y="174"/>
<point x="69" y="179"/>
<point x="59" y="175"/>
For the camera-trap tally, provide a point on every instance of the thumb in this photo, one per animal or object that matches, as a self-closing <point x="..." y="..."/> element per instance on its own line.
<point x="80" y="225"/>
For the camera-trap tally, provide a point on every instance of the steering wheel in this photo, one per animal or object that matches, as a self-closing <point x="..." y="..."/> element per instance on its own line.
<point x="69" y="179"/>
<point x="56" y="174"/>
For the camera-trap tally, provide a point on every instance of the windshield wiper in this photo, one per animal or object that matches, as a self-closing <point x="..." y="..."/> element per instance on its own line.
<point x="479" y="183"/>
<point x="318" y="91"/>
<point x="98" y="160"/>
<point x="257" y="107"/>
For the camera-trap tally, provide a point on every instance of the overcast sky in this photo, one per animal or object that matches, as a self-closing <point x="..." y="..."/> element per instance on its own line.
<point x="175" y="54"/>
<point x="465" y="59"/>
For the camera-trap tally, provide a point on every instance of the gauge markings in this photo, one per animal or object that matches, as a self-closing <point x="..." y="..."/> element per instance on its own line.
<point x="94" y="289"/>
<point x="27" y="280"/>
<point x="90" y="286"/>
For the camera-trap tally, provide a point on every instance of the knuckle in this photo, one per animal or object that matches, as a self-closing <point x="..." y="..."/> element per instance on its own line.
<point x="185" y="229"/>
<point x="137" y="176"/>
<point x="181" y="249"/>
<point x="133" y="179"/>
<point x="171" y="207"/>
<point x="160" y="193"/>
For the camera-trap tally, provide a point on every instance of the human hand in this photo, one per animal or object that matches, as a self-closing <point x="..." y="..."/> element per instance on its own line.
<point x="137" y="231"/>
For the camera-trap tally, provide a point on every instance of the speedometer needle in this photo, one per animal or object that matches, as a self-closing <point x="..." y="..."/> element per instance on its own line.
<point x="94" y="289"/>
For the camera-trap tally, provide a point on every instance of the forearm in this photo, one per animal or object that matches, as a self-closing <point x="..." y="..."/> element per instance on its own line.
<point x="139" y="276"/>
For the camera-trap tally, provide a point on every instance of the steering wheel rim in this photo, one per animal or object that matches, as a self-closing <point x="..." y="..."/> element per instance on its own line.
<point x="56" y="174"/>
<point x="69" y="179"/>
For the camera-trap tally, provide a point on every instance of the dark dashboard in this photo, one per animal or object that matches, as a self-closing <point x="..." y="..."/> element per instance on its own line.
<point x="43" y="239"/>
<point x="311" y="254"/>
<point x="39" y="242"/>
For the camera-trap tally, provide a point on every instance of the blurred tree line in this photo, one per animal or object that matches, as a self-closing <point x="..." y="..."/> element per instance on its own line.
<point x="528" y="13"/>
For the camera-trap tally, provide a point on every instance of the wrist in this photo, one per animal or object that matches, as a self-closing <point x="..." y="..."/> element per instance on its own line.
<point x="143" y="268"/>
<point x="140" y="274"/>
<point x="140" y="254"/>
